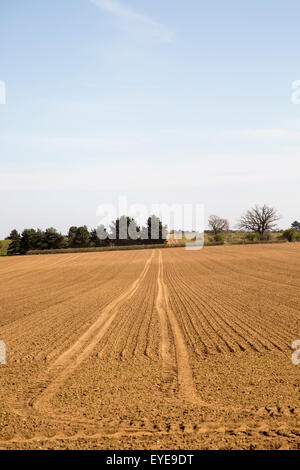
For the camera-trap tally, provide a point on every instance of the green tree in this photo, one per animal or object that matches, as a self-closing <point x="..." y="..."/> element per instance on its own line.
<point x="296" y="225"/>
<point x="94" y="239"/>
<point x="155" y="232"/>
<point x="124" y="231"/>
<point x="38" y="242"/>
<point x="72" y="234"/>
<point x="97" y="238"/>
<point x="52" y="239"/>
<point x="82" y="237"/>
<point x="15" y="243"/>
<point x="29" y="240"/>
<point x="290" y="234"/>
<point x="102" y="235"/>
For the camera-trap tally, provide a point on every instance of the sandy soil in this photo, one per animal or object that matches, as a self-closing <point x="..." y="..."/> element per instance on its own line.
<point x="151" y="349"/>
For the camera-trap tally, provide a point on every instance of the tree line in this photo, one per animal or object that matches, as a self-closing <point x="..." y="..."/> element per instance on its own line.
<point x="122" y="231"/>
<point x="257" y="222"/>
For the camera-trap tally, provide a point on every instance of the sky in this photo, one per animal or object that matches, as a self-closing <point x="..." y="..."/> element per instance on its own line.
<point x="186" y="102"/>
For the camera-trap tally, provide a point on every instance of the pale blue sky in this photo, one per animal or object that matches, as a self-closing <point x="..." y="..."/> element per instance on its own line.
<point x="160" y="101"/>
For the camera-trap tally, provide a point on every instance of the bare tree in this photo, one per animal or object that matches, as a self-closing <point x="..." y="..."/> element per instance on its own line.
<point x="259" y="219"/>
<point x="218" y="225"/>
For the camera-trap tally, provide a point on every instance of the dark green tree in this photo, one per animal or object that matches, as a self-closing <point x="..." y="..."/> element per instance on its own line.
<point x="15" y="243"/>
<point x="13" y="234"/>
<point x="30" y="240"/>
<point x="52" y="239"/>
<point x="82" y="237"/>
<point x="38" y="242"/>
<point x="290" y="234"/>
<point x="97" y="237"/>
<point x="296" y="225"/>
<point x="102" y="235"/>
<point x="94" y="239"/>
<point x="124" y="231"/>
<point x="71" y="235"/>
<point x="155" y="231"/>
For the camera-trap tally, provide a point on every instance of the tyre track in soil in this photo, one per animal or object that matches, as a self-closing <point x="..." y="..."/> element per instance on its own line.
<point x="48" y="317"/>
<point x="49" y="322"/>
<point x="127" y="337"/>
<point x="165" y="315"/>
<point x="187" y="386"/>
<point x="130" y="335"/>
<point x="186" y="382"/>
<point x="263" y="428"/>
<point x="190" y="321"/>
<point x="69" y="360"/>
<point x="234" y="344"/>
<point x="169" y="366"/>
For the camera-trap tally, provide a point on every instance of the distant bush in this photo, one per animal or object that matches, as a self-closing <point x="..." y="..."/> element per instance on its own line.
<point x="291" y="235"/>
<point x="266" y="237"/>
<point x="219" y="238"/>
<point x="4" y="246"/>
<point x="251" y="237"/>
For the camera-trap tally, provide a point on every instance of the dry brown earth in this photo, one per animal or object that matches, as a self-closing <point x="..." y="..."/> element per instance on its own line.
<point x="151" y="349"/>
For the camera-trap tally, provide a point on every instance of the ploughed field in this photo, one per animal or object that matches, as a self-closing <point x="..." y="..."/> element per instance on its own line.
<point x="151" y="349"/>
